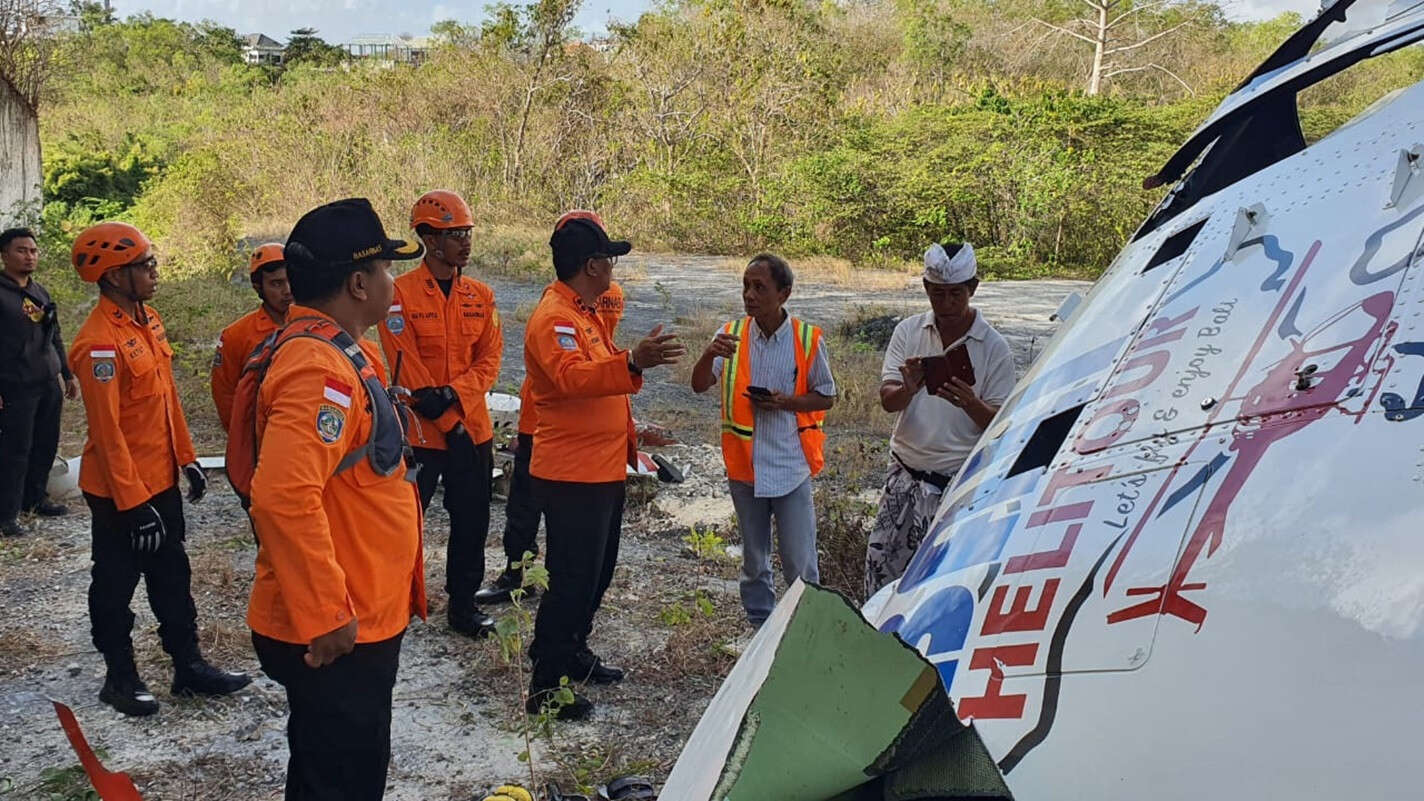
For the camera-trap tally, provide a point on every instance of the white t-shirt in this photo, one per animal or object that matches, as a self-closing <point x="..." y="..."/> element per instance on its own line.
<point x="931" y="433"/>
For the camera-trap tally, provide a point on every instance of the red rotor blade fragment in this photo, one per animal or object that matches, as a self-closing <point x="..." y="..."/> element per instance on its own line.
<point x="111" y="786"/>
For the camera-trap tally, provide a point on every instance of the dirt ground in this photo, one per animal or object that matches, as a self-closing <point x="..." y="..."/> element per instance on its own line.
<point x="672" y="617"/>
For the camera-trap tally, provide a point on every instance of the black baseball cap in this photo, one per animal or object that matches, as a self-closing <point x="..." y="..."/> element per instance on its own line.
<point x="579" y="236"/>
<point x="345" y="232"/>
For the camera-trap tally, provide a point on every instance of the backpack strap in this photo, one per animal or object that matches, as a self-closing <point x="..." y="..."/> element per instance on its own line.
<point x="386" y="446"/>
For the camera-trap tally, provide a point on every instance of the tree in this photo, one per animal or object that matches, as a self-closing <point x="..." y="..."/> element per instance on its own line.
<point x="305" y="47"/>
<point x="546" y="28"/>
<point x="91" y="15"/>
<point x="26" y="44"/>
<point x="1118" y="30"/>
<point x="454" y="33"/>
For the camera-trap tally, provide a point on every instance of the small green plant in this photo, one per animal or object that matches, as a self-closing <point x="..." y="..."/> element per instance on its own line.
<point x="664" y="293"/>
<point x="66" y="784"/>
<point x="679" y="614"/>
<point x="511" y="631"/>
<point x="706" y="544"/>
<point x="674" y="614"/>
<point x="703" y="604"/>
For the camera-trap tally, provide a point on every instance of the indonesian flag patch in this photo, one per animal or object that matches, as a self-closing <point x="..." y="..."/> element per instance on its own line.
<point x="337" y="392"/>
<point x="565" y="335"/>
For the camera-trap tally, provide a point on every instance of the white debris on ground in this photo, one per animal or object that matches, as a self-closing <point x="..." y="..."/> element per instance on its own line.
<point x="702" y="498"/>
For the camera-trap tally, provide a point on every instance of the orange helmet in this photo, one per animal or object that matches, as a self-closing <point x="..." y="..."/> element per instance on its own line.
<point x="580" y="214"/>
<point x="101" y="248"/>
<point x="266" y="256"/>
<point x="441" y="208"/>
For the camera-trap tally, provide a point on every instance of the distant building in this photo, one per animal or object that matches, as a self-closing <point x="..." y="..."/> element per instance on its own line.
<point x="412" y="50"/>
<point x="261" y="49"/>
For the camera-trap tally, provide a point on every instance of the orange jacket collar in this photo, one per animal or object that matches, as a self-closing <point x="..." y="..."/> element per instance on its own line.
<point x="432" y="288"/>
<point x="567" y="292"/>
<point x="116" y="316"/>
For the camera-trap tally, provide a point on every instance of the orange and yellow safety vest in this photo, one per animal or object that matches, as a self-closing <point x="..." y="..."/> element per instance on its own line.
<point x="738" y="414"/>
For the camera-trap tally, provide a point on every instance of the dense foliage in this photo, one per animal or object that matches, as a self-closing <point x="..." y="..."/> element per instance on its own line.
<point x="860" y="129"/>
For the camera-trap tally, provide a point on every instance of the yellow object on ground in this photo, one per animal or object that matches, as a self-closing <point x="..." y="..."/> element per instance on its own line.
<point x="514" y="791"/>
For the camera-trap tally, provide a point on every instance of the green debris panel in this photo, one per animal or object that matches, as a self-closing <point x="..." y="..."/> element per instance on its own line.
<point x="822" y="706"/>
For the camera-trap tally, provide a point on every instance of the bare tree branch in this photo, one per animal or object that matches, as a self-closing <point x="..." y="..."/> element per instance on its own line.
<point x="1148" y="40"/>
<point x="1060" y="29"/>
<point x="1174" y="76"/>
<point x="26" y="43"/>
<point x="1137" y="10"/>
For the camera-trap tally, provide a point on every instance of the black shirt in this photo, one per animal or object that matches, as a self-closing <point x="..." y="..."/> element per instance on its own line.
<point x="445" y="285"/>
<point x="31" y="349"/>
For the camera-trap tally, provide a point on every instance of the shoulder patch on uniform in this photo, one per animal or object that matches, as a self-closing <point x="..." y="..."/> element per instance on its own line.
<point x="329" y="423"/>
<point x="564" y="329"/>
<point x="567" y="342"/>
<point x="103" y="364"/>
<point x="337" y="392"/>
<point x="395" y="324"/>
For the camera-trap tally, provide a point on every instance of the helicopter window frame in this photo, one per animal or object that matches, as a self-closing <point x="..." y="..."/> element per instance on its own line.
<point x="1264" y="130"/>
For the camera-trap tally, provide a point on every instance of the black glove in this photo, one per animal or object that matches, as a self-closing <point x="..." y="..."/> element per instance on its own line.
<point x="197" y="482"/>
<point x="431" y="402"/>
<point x="146" y="531"/>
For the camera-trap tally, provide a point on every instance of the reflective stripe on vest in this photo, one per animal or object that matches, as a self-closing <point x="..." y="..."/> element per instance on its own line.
<point x="730" y="371"/>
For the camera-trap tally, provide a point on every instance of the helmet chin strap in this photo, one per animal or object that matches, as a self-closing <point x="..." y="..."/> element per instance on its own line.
<point x="130" y="293"/>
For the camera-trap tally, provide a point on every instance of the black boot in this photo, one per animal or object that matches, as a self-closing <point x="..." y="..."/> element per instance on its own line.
<point x="123" y="689"/>
<point x="192" y="675"/>
<point x="467" y="619"/>
<point x="590" y="668"/>
<point x="501" y="591"/>
<point x="48" y="508"/>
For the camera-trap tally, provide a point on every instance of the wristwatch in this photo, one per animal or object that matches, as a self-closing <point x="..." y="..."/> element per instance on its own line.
<point x="633" y="367"/>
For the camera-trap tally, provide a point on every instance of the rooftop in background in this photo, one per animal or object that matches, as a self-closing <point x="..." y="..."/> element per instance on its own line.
<point x="261" y="40"/>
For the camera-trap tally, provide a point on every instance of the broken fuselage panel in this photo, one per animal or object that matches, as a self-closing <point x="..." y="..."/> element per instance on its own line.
<point x="1185" y="560"/>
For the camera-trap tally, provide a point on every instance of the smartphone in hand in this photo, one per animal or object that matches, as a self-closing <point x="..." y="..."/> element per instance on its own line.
<point x="759" y="392"/>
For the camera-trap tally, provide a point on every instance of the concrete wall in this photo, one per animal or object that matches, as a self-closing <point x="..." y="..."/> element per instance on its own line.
<point x="20" y="171"/>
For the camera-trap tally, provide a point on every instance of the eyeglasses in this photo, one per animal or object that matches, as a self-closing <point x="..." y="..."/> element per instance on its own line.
<point x="461" y="234"/>
<point x="149" y="265"/>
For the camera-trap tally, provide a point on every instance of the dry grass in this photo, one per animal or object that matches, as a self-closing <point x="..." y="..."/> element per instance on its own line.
<point x="695" y="648"/>
<point x="695" y="331"/>
<point x="524" y="310"/>
<point x="857" y="371"/>
<point x="24" y="648"/>
<point x="854" y="466"/>
<point x="211" y="777"/>
<point x="512" y="252"/>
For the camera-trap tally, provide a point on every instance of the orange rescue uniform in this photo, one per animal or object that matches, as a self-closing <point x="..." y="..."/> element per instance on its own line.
<point x="610" y="311"/>
<point x="580" y="383"/>
<point x="455" y="341"/>
<point x="234" y="346"/>
<point x="332" y="547"/>
<point x="138" y="437"/>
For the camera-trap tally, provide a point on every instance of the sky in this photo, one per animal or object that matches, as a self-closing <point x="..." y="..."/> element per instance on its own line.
<point x="339" y="20"/>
